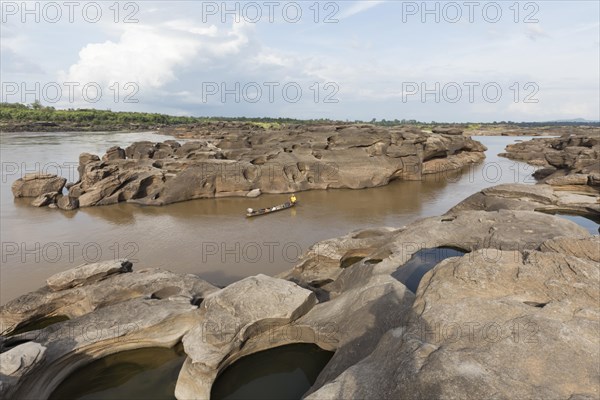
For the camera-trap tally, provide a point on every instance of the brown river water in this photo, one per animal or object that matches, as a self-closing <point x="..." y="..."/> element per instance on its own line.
<point x="210" y="238"/>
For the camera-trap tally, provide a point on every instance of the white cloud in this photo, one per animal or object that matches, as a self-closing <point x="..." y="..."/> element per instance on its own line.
<point x="150" y="55"/>
<point x="191" y="27"/>
<point x="170" y="60"/>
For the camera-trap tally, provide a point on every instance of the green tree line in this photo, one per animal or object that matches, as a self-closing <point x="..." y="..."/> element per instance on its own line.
<point x="36" y="112"/>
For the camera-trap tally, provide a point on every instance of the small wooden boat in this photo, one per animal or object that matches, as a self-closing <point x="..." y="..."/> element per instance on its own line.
<point x="262" y="211"/>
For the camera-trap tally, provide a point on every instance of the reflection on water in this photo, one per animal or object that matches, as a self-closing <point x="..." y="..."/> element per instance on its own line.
<point x="212" y="237"/>
<point x="143" y="374"/>
<point x="421" y="262"/>
<point x="285" y="372"/>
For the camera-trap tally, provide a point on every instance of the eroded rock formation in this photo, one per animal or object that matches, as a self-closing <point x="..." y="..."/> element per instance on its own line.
<point x="570" y="160"/>
<point x="540" y="197"/>
<point x="515" y="316"/>
<point x="38" y="184"/>
<point x="239" y="163"/>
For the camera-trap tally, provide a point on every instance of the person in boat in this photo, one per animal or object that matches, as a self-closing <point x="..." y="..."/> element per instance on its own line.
<point x="293" y="198"/>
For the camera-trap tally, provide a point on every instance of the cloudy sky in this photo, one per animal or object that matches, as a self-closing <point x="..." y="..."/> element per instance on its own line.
<point x="442" y="61"/>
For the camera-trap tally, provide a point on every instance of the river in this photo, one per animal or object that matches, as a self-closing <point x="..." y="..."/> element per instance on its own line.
<point x="212" y="237"/>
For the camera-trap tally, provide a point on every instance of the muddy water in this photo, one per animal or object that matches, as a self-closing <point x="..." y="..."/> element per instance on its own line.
<point x="285" y="372"/>
<point x="211" y="238"/>
<point x="143" y="374"/>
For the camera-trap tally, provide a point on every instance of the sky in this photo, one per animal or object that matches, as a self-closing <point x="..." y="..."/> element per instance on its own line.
<point x="463" y="61"/>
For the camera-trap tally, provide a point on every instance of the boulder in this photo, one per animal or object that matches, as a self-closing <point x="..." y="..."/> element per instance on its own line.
<point x="37" y="184"/>
<point x="574" y="179"/>
<point x="67" y="203"/>
<point x="45" y="199"/>
<point x="543" y="173"/>
<point x="114" y="153"/>
<point x="87" y="273"/>
<point x="140" y="150"/>
<point x="84" y="159"/>
<point x="324" y="261"/>
<point x="254" y="193"/>
<point x="448" y="131"/>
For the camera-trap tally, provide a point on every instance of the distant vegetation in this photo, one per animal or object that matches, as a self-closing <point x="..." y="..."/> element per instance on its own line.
<point x="35" y="112"/>
<point x="16" y="113"/>
<point x="20" y="116"/>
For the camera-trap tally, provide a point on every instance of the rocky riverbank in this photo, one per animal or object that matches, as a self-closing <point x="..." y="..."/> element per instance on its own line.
<point x="66" y="126"/>
<point x="512" y="310"/>
<point x="567" y="161"/>
<point x="246" y="162"/>
<point x="539" y="130"/>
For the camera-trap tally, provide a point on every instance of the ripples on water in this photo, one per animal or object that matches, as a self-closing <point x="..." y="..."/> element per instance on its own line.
<point x="208" y="237"/>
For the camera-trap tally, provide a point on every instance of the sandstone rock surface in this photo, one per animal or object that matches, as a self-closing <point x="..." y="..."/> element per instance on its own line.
<point x="37" y="184"/>
<point x="237" y="312"/>
<point x="121" y="312"/>
<point x="516" y="316"/>
<point x="223" y="162"/>
<point x="569" y="160"/>
<point x="540" y="197"/>
<point x="45" y="199"/>
<point x="87" y="273"/>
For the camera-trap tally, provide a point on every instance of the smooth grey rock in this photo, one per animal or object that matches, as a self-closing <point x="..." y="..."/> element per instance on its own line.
<point x="229" y="318"/>
<point x="16" y="361"/>
<point x="130" y="324"/>
<point x="254" y="193"/>
<point x="538" y="197"/>
<point x="113" y="289"/>
<point x="519" y="325"/>
<point x="383" y="250"/>
<point x="354" y="321"/>
<point x="87" y="273"/>
<point x="324" y="261"/>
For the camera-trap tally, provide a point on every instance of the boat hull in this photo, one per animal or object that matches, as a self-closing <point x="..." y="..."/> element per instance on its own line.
<point x="269" y="210"/>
